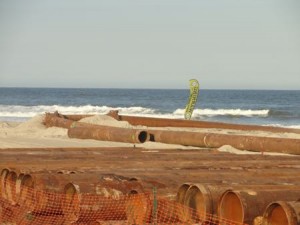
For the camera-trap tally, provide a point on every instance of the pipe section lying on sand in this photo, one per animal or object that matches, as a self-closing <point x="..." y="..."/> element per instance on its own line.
<point x="164" y="122"/>
<point x="106" y="133"/>
<point x="244" y="206"/>
<point x="213" y="140"/>
<point x="97" y="132"/>
<point x="57" y="120"/>
<point x="282" y="213"/>
<point x="198" y="139"/>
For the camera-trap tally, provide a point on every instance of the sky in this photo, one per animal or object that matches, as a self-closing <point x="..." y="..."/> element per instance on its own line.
<point x="224" y="44"/>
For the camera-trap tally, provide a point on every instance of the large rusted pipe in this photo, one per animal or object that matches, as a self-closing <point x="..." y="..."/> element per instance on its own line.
<point x="40" y="193"/>
<point x="282" y="213"/>
<point x="244" y="205"/>
<point x="138" y="208"/>
<point x="104" y="202"/>
<point x="106" y="133"/>
<point x="213" y="140"/>
<point x="57" y="120"/>
<point x="203" y="198"/>
<point x="164" y="122"/>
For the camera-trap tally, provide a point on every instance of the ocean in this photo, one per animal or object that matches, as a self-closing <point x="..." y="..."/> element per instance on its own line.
<point x="264" y="107"/>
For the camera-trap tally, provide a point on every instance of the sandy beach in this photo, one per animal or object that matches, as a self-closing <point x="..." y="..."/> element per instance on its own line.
<point x="33" y="133"/>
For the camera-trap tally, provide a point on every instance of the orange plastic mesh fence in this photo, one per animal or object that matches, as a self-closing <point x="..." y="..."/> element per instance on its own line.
<point x="35" y="207"/>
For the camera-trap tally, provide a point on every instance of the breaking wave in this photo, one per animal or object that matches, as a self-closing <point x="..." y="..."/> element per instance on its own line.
<point x="227" y="112"/>
<point x="30" y="111"/>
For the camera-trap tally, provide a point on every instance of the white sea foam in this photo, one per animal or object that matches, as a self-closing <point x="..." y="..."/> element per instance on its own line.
<point x="30" y="111"/>
<point x="225" y="112"/>
<point x="285" y="126"/>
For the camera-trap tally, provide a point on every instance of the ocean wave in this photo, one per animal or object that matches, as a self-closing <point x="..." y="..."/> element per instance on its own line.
<point x="285" y="126"/>
<point x="30" y="111"/>
<point x="226" y="112"/>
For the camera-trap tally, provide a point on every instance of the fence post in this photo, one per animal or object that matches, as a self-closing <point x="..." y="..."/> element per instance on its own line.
<point x="154" y="211"/>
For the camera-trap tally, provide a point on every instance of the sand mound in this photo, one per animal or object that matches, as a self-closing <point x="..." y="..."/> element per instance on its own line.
<point x="105" y="120"/>
<point x="230" y="149"/>
<point x="33" y="128"/>
<point x="34" y="123"/>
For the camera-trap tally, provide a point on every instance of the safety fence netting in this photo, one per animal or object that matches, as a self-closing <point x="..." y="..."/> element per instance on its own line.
<point x="30" y="206"/>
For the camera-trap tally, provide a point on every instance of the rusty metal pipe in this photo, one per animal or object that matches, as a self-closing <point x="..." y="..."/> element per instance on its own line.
<point x="106" y="133"/>
<point x="283" y="213"/>
<point x="107" y="202"/>
<point x="203" y="198"/>
<point x="57" y="120"/>
<point x="244" y="206"/>
<point x="213" y="140"/>
<point x="164" y="122"/>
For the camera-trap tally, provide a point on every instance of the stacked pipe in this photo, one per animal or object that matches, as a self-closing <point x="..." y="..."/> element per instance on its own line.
<point x="204" y="167"/>
<point x="239" y="203"/>
<point x="44" y="194"/>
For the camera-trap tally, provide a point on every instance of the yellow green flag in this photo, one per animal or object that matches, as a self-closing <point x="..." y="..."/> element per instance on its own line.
<point x="194" y="90"/>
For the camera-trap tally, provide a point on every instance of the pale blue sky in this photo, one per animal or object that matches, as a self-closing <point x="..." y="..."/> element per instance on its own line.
<point x="228" y="44"/>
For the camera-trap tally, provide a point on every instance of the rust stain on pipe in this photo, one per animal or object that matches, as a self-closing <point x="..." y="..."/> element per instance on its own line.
<point x="283" y="213"/>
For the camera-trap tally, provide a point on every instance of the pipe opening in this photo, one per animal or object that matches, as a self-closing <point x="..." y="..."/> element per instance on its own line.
<point x="152" y="137"/>
<point x="195" y="199"/>
<point x="276" y="215"/>
<point x="26" y="188"/>
<point x="10" y="186"/>
<point x="180" y="198"/>
<point x="18" y="182"/>
<point x="3" y="177"/>
<point x="231" y="208"/>
<point x="143" y="136"/>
